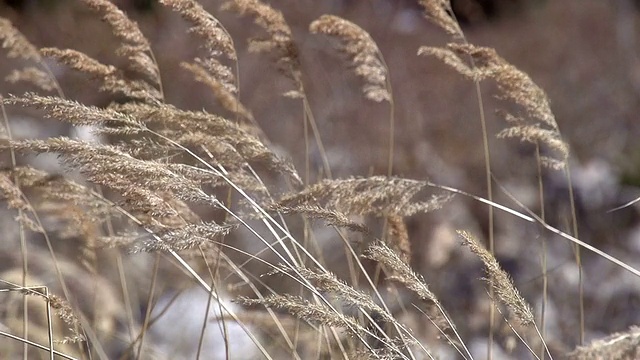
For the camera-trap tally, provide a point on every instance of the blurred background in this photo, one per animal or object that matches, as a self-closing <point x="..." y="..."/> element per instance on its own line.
<point x="584" y="53"/>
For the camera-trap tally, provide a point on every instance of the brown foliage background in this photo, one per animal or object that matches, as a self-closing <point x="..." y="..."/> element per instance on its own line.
<point x="584" y="53"/>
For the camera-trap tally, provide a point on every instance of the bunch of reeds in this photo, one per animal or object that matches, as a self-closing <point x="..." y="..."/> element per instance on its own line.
<point x="208" y="195"/>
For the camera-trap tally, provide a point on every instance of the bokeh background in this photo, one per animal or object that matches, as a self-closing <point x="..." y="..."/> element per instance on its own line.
<point x="584" y="53"/>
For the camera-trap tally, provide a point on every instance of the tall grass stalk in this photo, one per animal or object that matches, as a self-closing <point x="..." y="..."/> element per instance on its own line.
<point x="318" y="266"/>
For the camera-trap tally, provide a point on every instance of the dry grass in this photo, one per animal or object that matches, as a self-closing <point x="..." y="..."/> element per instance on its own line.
<point x="163" y="200"/>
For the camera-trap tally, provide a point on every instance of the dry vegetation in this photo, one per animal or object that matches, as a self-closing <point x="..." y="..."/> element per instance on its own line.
<point x="167" y="216"/>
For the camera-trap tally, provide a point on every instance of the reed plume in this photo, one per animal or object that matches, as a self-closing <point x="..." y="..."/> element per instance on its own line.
<point x="205" y="199"/>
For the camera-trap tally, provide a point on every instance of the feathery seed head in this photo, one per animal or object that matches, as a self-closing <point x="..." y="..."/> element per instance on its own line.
<point x="363" y="52"/>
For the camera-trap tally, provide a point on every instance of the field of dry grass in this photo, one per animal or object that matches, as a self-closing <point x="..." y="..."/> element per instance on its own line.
<point x="248" y="180"/>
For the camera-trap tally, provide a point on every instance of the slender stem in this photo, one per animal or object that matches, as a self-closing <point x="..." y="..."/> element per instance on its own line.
<point x="392" y="118"/>
<point x="318" y="138"/>
<point x="49" y="322"/>
<point x="487" y="162"/>
<point x="574" y="222"/>
<point x="150" y="305"/>
<point x="535" y="218"/>
<point x="545" y="279"/>
<point x="36" y="345"/>
<point x="23" y="238"/>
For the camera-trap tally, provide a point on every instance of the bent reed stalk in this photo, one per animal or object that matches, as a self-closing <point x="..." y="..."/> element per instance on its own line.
<point x="210" y="196"/>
